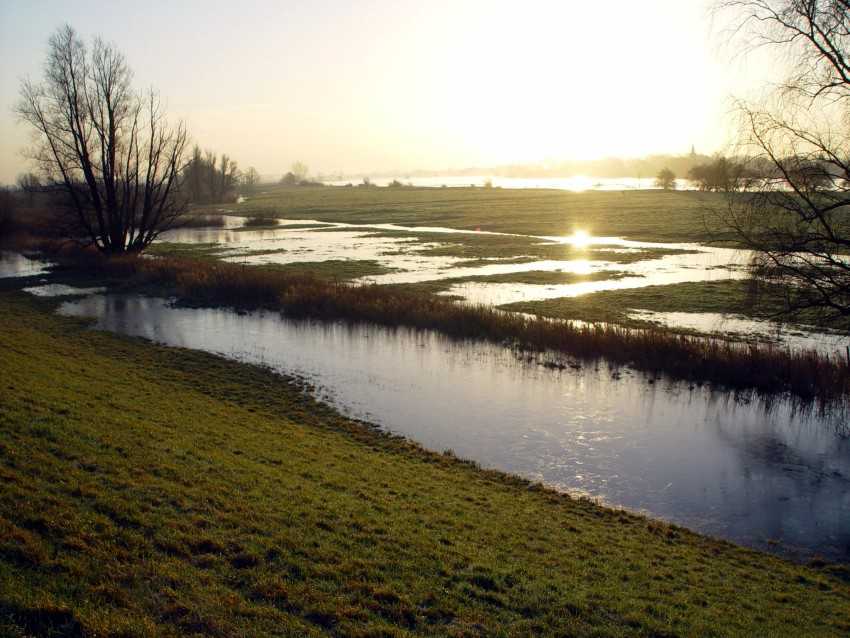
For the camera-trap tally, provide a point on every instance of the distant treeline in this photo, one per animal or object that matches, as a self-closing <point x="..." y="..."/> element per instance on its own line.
<point x="206" y="178"/>
<point x="609" y="167"/>
<point x="718" y="173"/>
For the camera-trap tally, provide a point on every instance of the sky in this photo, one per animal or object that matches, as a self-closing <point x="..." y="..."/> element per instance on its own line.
<point x="370" y="86"/>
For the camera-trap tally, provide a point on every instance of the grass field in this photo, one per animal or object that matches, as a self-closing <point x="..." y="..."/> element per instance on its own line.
<point x="669" y="216"/>
<point x="147" y="491"/>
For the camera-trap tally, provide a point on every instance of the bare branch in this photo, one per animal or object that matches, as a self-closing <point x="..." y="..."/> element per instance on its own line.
<point x="104" y="150"/>
<point x="796" y="220"/>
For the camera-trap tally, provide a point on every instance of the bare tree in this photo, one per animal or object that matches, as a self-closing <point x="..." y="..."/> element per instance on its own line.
<point x="722" y="175"/>
<point x="796" y="220"/>
<point x="104" y="150"/>
<point x="250" y="178"/>
<point x="195" y="176"/>
<point x="8" y="205"/>
<point x="30" y="185"/>
<point x="208" y="179"/>
<point x="300" y="171"/>
<point x="225" y="177"/>
<point x="210" y="167"/>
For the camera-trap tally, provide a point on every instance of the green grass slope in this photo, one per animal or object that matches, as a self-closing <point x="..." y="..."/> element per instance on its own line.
<point x="147" y="491"/>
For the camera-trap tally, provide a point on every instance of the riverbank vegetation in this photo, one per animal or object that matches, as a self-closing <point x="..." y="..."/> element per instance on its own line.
<point x="150" y="491"/>
<point x="807" y="375"/>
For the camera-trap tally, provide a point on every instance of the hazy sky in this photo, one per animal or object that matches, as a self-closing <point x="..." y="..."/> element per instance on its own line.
<point x="374" y="85"/>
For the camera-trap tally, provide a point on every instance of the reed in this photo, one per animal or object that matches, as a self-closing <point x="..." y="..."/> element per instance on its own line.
<point x="764" y="368"/>
<point x="261" y="221"/>
<point x="202" y="219"/>
<point x="29" y="229"/>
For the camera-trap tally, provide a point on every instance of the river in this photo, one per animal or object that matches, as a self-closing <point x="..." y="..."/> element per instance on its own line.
<point x="774" y="477"/>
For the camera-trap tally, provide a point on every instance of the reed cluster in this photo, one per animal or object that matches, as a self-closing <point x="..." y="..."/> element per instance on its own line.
<point x="764" y="368"/>
<point x="202" y="219"/>
<point x="261" y="221"/>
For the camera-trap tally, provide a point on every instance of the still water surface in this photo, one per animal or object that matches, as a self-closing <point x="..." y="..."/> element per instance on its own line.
<point x="776" y="479"/>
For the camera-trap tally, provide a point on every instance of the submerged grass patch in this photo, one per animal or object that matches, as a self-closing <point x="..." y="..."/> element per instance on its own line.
<point x="540" y="277"/>
<point x="341" y="269"/>
<point x="261" y="222"/>
<point x="477" y="247"/>
<point x="473" y="248"/>
<point x="148" y="491"/>
<point x="719" y="296"/>
<point x="210" y="251"/>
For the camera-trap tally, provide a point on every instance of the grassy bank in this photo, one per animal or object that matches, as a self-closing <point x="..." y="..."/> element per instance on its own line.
<point x="149" y="491"/>
<point x="806" y="375"/>
<point x="720" y="296"/>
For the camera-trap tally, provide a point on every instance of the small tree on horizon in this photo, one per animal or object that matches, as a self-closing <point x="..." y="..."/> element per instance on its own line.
<point x="250" y="178"/>
<point x="665" y="179"/>
<point x="300" y="171"/>
<point x="30" y="185"/>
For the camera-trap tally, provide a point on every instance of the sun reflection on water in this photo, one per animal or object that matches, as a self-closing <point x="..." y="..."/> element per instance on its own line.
<point x="580" y="239"/>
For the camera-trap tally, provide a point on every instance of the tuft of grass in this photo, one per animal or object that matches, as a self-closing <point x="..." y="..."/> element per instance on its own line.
<point x="261" y="221"/>
<point x="148" y="491"/>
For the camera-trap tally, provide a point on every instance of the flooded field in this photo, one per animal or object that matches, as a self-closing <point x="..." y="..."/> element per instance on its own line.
<point x="445" y="257"/>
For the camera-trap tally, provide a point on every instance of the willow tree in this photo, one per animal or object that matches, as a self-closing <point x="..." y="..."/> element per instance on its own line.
<point x="106" y="152"/>
<point x="796" y="218"/>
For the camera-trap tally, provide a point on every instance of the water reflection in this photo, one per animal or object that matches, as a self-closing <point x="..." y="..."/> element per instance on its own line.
<point x="405" y="256"/>
<point x="408" y="259"/>
<point x="713" y="462"/>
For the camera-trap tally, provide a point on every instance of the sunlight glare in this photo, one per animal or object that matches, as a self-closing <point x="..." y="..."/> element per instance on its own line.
<point x="580" y="239"/>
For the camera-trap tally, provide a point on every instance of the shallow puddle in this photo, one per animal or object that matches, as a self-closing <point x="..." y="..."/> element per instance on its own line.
<point x="14" y="264"/>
